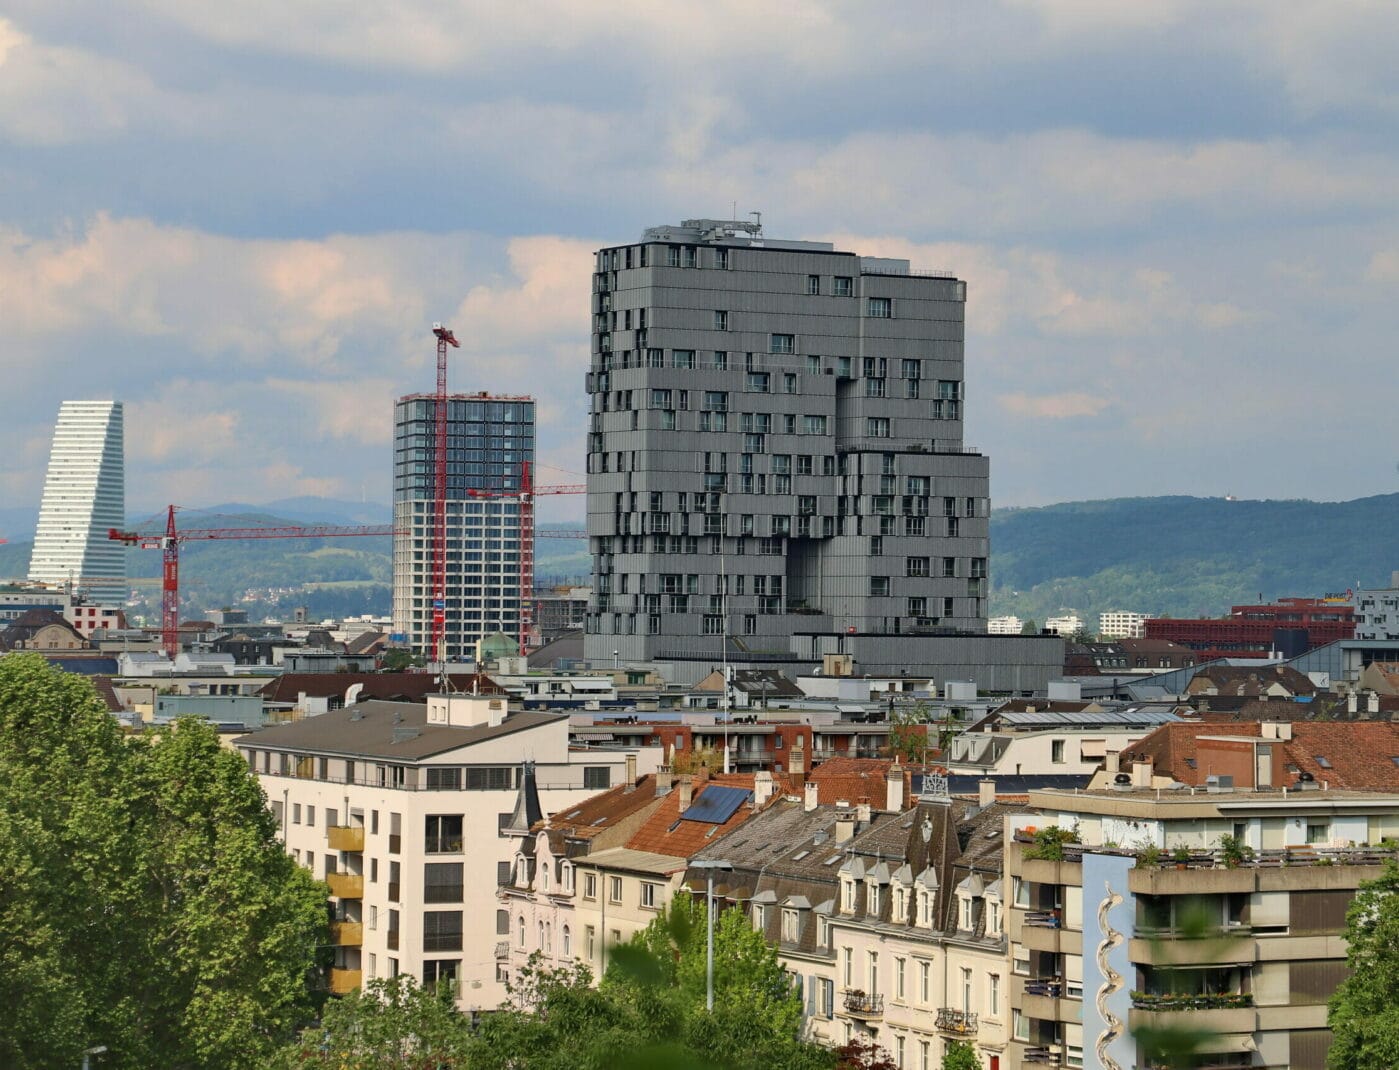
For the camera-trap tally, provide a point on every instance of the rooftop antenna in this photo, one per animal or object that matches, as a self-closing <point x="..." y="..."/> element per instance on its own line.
<point x="724" y="645"/>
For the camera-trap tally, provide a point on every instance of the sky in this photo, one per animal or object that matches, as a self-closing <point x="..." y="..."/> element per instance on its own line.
<point x="1178" y="220"/>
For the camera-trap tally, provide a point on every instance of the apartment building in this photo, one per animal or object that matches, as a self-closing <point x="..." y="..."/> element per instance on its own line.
<point x="412" y="813"/>
<point x="1377" y="611"/>
<point x="1104" y="936"/>
<point x="1122" y="624"/>
<point x="776" y="447"/>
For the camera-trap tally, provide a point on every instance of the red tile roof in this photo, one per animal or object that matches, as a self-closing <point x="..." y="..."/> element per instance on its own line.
<point x="851" y="779"/>
<point x="664" y="833"/>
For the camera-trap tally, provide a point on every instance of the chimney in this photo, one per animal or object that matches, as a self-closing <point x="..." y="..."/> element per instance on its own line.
<point x="1141" y="774"/>
<point x="809" y="797"/>
<point x="1110" y="760"/>
<point x="985" y="792"/>
<point x="663" y="780"/>
<point x="763" y="789"/>
<point x="1352" y="703"/>
<point x="845" y="825"/>
<point x="862" y="809"/>
<point x="687" y="791"/>
<point x="894" y="788"/>
<point x="631" y="774"/>
<point x="796" y="757"/>
<point x="1372" y="702"/>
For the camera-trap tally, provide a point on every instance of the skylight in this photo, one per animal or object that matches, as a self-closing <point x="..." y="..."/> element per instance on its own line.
<point x="1321" y="761"/>
<point x="831" y="861"/>
<point x="802" y="854"/>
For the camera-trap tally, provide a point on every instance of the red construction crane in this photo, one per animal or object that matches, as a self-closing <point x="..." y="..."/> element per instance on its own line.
<point x="445" y="338"/>
<point x="169" y="545"/>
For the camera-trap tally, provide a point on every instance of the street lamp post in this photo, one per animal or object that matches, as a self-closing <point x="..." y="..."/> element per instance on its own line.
<point x="710" y="866"/>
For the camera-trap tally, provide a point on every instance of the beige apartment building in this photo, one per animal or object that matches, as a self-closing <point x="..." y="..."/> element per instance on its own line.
<point x="1098" y="943"/>
<point x="412" y="813"/>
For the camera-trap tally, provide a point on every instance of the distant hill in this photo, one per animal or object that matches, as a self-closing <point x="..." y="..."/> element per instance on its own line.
<point x="1185" y="556"/>
<point x="1177" y="555"/>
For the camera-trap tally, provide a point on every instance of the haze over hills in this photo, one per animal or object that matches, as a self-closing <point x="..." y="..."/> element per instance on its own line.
<point x="1168" y="555"/>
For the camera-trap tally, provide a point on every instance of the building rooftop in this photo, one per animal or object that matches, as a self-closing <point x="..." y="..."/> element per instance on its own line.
<point x="393" y="730"/>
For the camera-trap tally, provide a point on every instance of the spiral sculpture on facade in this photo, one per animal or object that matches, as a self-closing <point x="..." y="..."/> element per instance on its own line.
<point x="1112" y="981"/>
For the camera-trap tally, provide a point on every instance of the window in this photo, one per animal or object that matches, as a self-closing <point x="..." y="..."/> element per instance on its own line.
<point x="721" y="258"/>
<point x="874" y="388"/>
<point x="789" y="383"/>
<point x="791" y="926"/>
<point x="759" y="917"/>
<point x="757" y="382"/>
<point x="1020" y="961"/>
<point x="1056" y="751"/>
<point x="826" y="997"/>
<point x="296" y="813"/>
<point x="1318" y="832"/>
<point x="672" y="256"/>
<point x="917" y="607"/>
<point x="597" y="777"/>
<point x="310" y="815"/>
<point x="721" y="320"/>
<point x="443" y="834"/>
<point x="874" y="973"/>
<point x="590" y="941"/>
<point x="917" y="566"/>
<point x="842" y="286"/>
<point x="782" y="343"/>
<point x="440" y="973"/>
<point x="879" y="586"/>
<point x="1019" y="1026"/>
<point x="899" y="1044"/>
<point x="590" y="886"/>
<point x="567" y="943"/>
<point x="442" y="882"/>
<point x="813" y="284"/>
<point x="614" y="889"/>
<point x="877" y="426"/>
<point x="813" y="425"/>
<point x="442" y="930"/>
<point x="823" y="932"/>
<point x="880" y="308"/>
<point x="847" y="960"/>
<point x="898" y="978"/>
<point x="683" y="358"/>
<point x="924" y="982"/>
<point x="649" y="899"/>
<point x="965" y="905"/>
<point x="993" y="995"/>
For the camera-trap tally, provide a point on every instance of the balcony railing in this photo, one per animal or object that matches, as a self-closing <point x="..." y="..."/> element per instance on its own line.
<point x="1052" y="987"/>
<point x="1043" y="1056"/>
<point x="863" y="1004"/>
<point x="1146" y="1001"/>
<point x="346" y="885"/>
<point x="345" y="837"/>
<point x="346" y="933"/>
<point x="343" y="982"/>
<point x="1044" y="919"/>
<point x="502" y="949"/>
<point x="952" y="1020"/>
<point x="442" y="845"/>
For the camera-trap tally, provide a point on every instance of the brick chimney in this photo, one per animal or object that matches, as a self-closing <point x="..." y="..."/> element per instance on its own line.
<point x="663" y="780"/>
<point x="809" y="797"/>
<point x="687" y="791"/>
<point x="985" y="792"/>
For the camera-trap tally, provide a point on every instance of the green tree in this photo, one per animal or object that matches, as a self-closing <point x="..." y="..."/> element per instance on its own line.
<point x="390" y="1024"/>
<point x="908" y="734"/>
<point x="960" y="1056"/>
<point x="145" y="902"/>
<point x="400" y="660"/>
<point x="1364" y="1015"/>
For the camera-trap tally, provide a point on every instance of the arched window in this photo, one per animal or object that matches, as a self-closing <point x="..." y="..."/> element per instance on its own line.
<point x="549" y="939"/>
<point x="522" y="930"/>
<point x="567" y="943"/>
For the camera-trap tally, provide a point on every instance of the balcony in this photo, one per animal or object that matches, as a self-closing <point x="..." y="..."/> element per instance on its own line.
<point x="864" y="1005"/>
<point x="346" y="885"/>
<point x="1044" y="1056"/>
<point x="502" y="949"/>
<point x="343" y="982"/>
<point x="345" y="837"/>
<point x="346" y="933"/>
<point x="958" y="1023"/>
<point x="1240" y="1018"/>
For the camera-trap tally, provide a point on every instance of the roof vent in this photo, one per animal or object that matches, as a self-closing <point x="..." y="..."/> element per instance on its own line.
<point x="1219" y="783"/>
<point x="1122" y="782"/>
<point x="403" y="735"/>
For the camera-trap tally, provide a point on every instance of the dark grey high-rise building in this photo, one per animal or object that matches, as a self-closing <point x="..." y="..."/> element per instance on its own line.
<point x="776" y="448"/>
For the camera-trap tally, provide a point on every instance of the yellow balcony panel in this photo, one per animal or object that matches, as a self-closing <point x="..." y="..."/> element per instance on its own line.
<point x="343" y="982"/>
<point x="346" y="885"/>
<point x="346" y="933"/>
<point x="345" y="837"/>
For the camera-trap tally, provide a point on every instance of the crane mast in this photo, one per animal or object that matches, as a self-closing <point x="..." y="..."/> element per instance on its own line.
<point x="445" y="338"/>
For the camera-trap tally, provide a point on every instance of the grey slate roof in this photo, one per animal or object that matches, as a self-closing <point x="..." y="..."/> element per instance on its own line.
<point x="372" y="732"/>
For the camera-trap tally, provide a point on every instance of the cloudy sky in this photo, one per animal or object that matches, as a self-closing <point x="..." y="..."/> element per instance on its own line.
<point x="1179" y="220"/>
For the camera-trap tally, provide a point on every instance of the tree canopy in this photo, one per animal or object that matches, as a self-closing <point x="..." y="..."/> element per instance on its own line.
<point x="1364" y="1017"/>
<point x="146" y="904"/>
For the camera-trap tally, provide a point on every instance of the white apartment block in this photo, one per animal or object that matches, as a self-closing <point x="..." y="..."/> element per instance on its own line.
<point x="1377" y="612"/>
<point x="1008" y="625"/>
<point x="84" y="497"/>
<point x="412" y="814"/>
<point x="1121" y="624"/>
<point x="1067" y="626"/>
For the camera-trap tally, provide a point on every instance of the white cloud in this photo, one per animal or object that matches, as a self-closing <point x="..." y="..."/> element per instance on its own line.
<point x="1067" y="406"/>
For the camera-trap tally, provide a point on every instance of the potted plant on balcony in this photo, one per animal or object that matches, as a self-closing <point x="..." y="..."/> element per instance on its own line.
<point x="1149" y="857"/>
<point x="1233" y="852"/>
<point x="1181" y="856"/>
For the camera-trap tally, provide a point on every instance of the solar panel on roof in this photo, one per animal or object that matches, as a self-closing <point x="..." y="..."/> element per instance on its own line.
<point x="717" y="804"/>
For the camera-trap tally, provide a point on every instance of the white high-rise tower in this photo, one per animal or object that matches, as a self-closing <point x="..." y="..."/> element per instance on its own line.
<point x="84" y="496"/>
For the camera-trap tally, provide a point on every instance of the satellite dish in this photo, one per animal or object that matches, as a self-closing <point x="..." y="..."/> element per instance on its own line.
<point x="1122" y="778"/>
<point x="1305" y="778"/>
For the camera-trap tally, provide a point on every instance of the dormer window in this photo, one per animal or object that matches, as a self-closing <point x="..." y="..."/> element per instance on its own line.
<point x="965" y="911"/>
<point x="791" y="926"/>
<point x="847" y="896"/>
<point x="872" y="898"/>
